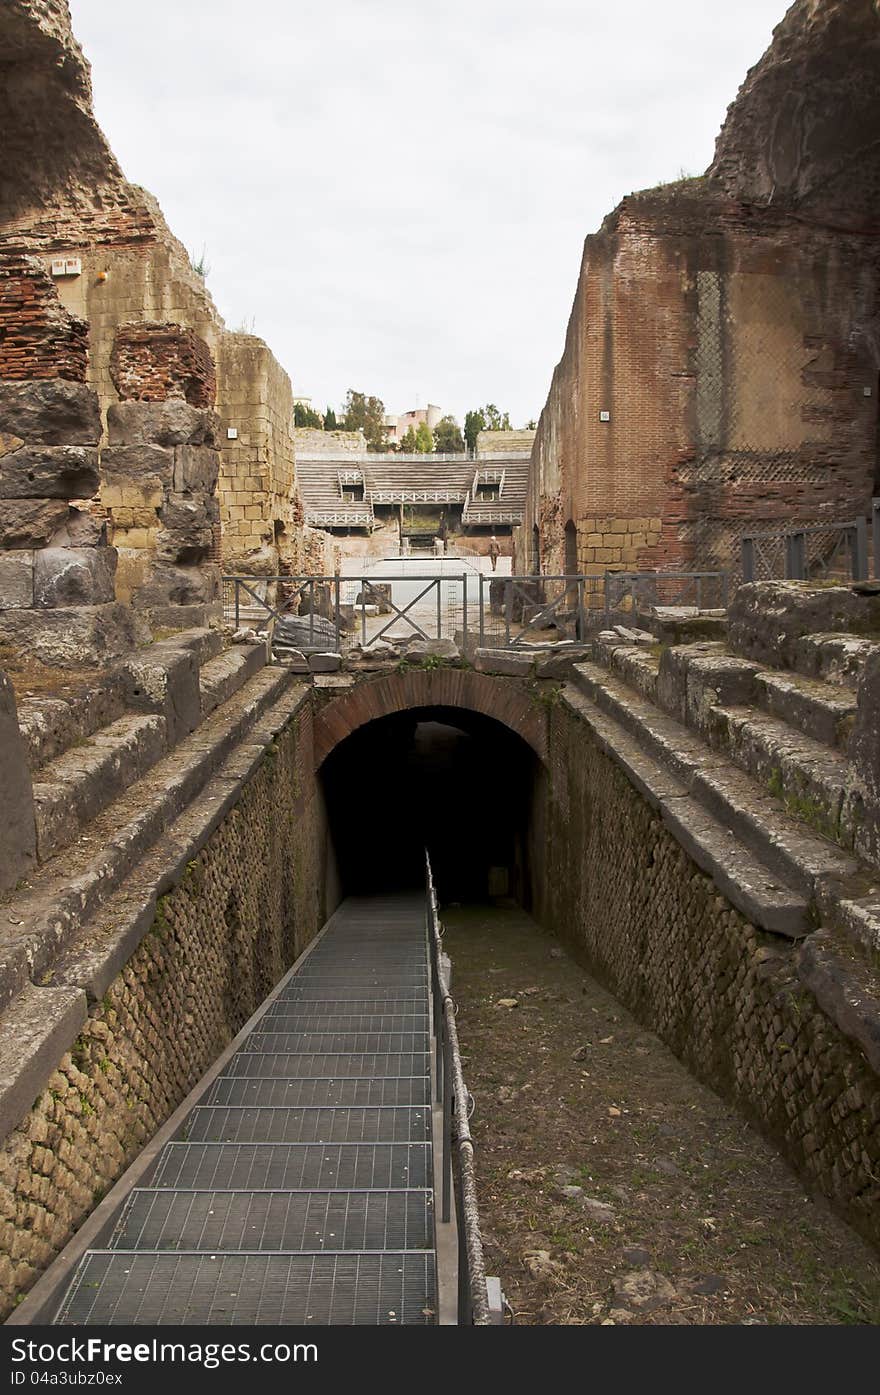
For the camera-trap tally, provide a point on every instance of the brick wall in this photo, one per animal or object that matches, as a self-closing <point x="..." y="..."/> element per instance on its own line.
<point x="38" y="338"/>
<point x="150" y="362"/>
<point x="732" y="350"/>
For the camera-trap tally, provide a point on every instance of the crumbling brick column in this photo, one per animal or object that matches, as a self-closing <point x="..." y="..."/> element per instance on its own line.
<point x="57" y="597"/>
<point x="159" y="474"/>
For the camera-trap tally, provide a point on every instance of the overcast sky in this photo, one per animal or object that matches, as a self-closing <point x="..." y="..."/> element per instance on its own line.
<point x="395" y="195"/>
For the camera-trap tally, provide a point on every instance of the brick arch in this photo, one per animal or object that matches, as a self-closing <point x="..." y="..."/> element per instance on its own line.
<point x="506" y="700"/>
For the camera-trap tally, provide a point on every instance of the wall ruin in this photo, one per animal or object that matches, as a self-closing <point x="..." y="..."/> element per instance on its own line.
<point x="720" y="369"/>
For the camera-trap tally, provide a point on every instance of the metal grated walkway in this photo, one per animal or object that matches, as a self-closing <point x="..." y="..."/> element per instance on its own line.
<point x="300" y="1189"/>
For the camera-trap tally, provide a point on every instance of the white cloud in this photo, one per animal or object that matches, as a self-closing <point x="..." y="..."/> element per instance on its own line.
<point x="397" y="195"/>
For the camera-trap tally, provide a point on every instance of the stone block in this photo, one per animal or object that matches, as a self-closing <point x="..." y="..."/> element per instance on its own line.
<point x="31" y="523"/>
<point x="559" y="665"/>
<point x="175" y="585"/>
<point x="50" y="412"/>
<point x="74" y="635"/>
<point x="768" y="618"/>
<point x="143" y="473"/>
<point x="196" y="468"/>
<point x="166" y="681"/>
<point x="71" y="576"/>
<point x="188" y="522"/>
<point x="49" y="472"/>
<point x="185" y="617"/>
<point x="17" y="580"/>
<point x="294" y="660"/>
<point x="40" y="1025"/>
<point x="169" y="423"/>
<point x="432" y="649"/>
<point x="18" y="836"/>
<point x="864" y="754"/>
<point x="81" y="529"/>
<point x="325" y="663"/>
<point x="504" y="661"/>
<point x="306" y="633"/>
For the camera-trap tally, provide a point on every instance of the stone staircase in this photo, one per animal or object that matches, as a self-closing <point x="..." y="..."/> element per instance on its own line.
<point x="129" y="780"/>
<point x="751" y="767"/>
<point x="753" y="763"/>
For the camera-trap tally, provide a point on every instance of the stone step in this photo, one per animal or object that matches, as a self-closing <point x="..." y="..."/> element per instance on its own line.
<point x="77" y="967"/>
<point x="204" y="643"/>
<point x="75" y="787"/>
<point x="825" y="712"/>
<point x="746" y="881"/>
<point x="811" y="865"/>
<point x="94" y="957"/>
<point x="637" y="665"/>
<point x="834" y="658"/>
<point x="787" y="731"/>
<point x="51" y="724"/>
<point x="66" y="893"/>
<point x="229" y="671"/>
<point x="809" y="778"/>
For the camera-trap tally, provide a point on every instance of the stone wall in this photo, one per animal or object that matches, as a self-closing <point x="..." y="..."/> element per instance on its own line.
<point x="159" y="480"/>
<point x="613" y="882"/>
<point x="807" y="115"/>
<point x="500" y="442"/>
<point x="64" y="196"/>
<point x="309" y="440"/>
<point x="57" y="571"/>
<point x="257" y="466"/>
<point x="246" y="906"/>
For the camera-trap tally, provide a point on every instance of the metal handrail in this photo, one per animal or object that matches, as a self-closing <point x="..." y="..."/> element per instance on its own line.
<point x="792" y="546"/>
<point x="491" y="609"/>
<point x="458" y="1145"/>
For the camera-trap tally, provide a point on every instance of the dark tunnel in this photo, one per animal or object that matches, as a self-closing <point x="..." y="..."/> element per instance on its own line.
<point x="459" y="783"/>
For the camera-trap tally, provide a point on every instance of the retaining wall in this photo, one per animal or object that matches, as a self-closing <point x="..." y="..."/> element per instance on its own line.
<point x="248" y="903"/>
<point x="618" y="888"/>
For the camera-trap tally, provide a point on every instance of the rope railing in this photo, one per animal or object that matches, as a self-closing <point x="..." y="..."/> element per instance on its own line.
<point x="457" y="1163"/>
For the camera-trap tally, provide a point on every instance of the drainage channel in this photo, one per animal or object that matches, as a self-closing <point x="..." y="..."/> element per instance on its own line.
<point x="299" y="1187"/>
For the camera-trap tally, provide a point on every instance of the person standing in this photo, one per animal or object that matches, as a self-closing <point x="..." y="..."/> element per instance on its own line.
<point x="494" y="551"/>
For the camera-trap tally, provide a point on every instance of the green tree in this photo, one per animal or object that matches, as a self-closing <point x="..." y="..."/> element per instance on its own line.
<point x="495" y="420"/>
<point x="531" y="425"/>
<point x="305" y="416"/>
<point x="424" y="438"/>
<point x="474" y="423"/>
<point x="330" y="422"/>
<point x="448" y="439"/>
<point x="408" y="444"/>
<point x="367" y="414"/>
<point x="486" y="418"/>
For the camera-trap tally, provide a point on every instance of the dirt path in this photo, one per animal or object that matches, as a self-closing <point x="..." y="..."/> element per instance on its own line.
<point x="614" y="1187"/>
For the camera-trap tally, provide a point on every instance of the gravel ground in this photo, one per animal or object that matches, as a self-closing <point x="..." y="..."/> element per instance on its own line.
<point x="614" y="1188"/>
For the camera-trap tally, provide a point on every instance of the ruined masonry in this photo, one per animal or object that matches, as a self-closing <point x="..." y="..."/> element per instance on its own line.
<point x="694" y="796"/>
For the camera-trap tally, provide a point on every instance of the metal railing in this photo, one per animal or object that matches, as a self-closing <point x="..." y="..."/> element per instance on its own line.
<point x="416" y="496"/>
<point x="705" y="590"/>
<point x="474" y="609"/>
<point x="815" y="551"/>
<point x="457" y="1160"/>
<point x="355" y="517"/>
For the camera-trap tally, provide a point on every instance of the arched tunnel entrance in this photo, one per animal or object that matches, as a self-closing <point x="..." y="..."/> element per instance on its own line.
<point x="455" y="781"/>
